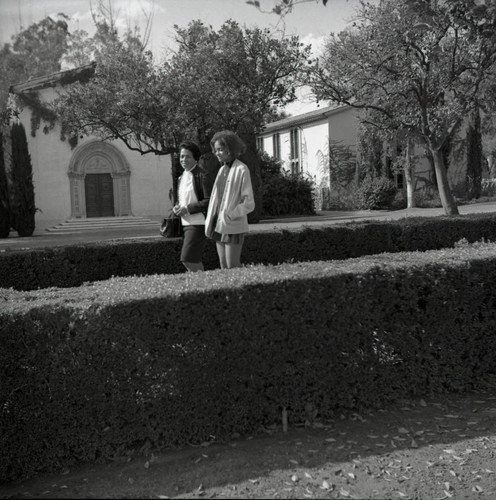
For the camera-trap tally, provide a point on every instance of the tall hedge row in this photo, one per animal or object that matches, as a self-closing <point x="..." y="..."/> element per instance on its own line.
<point x="73" y="265"/>
<point x="90" y="372"/>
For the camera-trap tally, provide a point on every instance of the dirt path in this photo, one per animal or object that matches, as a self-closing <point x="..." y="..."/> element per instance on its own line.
<point x="444" y="447"/>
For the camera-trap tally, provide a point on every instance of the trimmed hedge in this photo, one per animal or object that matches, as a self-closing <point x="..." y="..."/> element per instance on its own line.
<point x="90" y="372"/>
<point x="70" y="266"/>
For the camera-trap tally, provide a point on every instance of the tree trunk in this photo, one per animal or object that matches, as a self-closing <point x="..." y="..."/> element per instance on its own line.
<point x="491" y="165"/>
<point x="447" y="199"/>
<point x="409" y="176"/>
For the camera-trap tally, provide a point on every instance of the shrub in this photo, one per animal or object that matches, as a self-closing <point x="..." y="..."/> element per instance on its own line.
<point x="488" y="187"/>
<point x="284" y="193"/>
<point x="375" y="193"/>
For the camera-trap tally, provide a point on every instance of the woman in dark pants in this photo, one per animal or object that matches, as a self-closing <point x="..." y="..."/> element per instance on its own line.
<point x="195" y="187"/>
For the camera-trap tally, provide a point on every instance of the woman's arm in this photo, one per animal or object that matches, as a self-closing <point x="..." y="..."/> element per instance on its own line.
<point x="207" y="183"/>
<point x="247" y="203"/>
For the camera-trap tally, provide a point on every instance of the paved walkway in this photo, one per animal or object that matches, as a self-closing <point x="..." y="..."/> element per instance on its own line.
<point x="42" y="239"/>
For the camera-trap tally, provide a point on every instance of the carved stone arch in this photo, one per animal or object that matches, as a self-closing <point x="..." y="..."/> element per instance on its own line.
<point x="97" y="157"/>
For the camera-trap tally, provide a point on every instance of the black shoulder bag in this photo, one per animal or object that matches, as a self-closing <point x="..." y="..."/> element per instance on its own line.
<point x="171" y="227"/>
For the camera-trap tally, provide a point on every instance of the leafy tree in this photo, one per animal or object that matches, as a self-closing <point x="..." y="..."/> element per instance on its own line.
<point x="23" y="204"/>
<point x="122" y="100"/>
<point x="231" y="79"/>
<point x="283" y="7"/>
<point x="80" y="49"/>
<point x="152" y="108"/>
<point x="35" y="51"/>
<point x="417" y="64"/>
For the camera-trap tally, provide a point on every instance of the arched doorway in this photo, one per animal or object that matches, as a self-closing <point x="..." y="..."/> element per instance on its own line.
<point x="99" y="176"/>
<point x="99" y="195"/>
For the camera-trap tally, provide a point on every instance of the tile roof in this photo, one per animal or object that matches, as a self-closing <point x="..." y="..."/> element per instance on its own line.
<point x="311" y="116"/>
<point x="61" y="77"/>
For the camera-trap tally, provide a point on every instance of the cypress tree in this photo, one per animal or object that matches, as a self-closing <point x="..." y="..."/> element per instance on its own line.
<point x="474" y="156"/>
<point x="4" y="195"/>
<point x="23" y="208"/>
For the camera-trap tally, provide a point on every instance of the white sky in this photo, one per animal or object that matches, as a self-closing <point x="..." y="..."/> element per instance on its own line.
<point x="311" y="20"/>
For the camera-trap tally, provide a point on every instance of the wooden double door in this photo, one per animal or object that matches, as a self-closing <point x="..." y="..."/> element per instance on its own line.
<point x="99" y="194"/>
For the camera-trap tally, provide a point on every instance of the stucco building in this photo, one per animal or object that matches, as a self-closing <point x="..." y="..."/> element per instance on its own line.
<point x="303" y="142"/>
<point x="93" y="179"/>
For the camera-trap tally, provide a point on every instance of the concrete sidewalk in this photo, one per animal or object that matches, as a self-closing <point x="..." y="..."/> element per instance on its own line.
<point x="43" y="239"/>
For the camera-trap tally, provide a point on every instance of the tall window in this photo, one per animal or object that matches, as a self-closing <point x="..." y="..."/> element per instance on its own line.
<point x="400" y="180"/>
<point x="259" y="144"/>
<point x="276" y="146"/>
<point x="295" y="150"/>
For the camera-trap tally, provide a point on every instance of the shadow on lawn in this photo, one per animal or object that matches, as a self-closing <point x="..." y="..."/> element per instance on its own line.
<point x="437" y="447"/>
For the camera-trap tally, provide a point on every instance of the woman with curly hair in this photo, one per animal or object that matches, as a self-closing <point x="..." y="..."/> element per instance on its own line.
<point x="231" y="200"/>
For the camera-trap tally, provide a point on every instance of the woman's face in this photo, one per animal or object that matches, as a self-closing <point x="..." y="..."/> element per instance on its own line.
<point x="223" y="154"/>
<point x="186" y="159"/>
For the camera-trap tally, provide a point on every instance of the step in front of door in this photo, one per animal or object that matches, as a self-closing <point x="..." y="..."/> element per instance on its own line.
<point x="103" y="223"/>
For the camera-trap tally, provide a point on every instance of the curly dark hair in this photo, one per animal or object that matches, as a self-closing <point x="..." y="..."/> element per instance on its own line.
<point x="229" y="140"/>
<point x="192" y="147"/>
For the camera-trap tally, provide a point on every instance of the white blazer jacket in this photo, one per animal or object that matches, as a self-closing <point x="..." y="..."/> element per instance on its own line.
<point x="236" y="203"/>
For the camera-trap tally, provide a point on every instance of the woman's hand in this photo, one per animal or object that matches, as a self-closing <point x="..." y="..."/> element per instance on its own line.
<point x="180" y="211"/>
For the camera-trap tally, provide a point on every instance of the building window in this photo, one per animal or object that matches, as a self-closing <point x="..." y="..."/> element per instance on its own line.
<point x="276" y="146"/>
<point x="295" y="150"/>
<point x="260" y="144"/>
<point x="400" y="180"/>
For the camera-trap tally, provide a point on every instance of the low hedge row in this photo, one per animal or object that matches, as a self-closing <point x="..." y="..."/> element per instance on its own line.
<point x="73" y="265"/>
<point x="90" y="372"/>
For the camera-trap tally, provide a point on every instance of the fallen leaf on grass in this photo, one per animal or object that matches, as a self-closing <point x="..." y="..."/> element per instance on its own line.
<point x="326" y="485"/>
